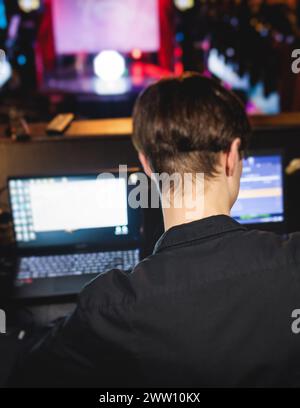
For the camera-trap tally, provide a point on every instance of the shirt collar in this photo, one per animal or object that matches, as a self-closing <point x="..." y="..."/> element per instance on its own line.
<point x="201" y="229"/>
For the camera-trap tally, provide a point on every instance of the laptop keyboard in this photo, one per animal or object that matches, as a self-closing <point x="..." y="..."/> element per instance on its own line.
<point x="76" y="264"/>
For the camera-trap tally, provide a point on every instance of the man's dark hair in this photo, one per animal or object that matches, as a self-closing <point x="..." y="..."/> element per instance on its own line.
<point x="182" y="124"/>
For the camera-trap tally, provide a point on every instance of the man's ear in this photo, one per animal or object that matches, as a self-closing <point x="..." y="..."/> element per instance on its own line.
<point x="233" y="157"/>
<point x="145" y="163"/>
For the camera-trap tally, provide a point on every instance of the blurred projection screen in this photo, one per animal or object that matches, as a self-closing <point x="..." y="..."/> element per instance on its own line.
<point x="93" y="25"/>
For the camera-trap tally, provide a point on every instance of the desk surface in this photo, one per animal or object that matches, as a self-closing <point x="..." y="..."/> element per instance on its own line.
<point x="123" y="127"/>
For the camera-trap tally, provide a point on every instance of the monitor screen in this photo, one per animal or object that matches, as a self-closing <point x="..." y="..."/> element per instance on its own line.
<point x="91" y="26"/>
<point x="261" y="198"/>
<point x="58" y="211"/>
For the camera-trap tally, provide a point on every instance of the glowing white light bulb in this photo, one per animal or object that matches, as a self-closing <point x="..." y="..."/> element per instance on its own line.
<point x="109" y="65"/>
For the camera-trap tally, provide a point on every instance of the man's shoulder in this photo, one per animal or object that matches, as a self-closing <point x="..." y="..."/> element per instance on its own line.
<point x="266" y="250"/>
<point x="250" y="251"/>
<point x="111" y="288"/>
<point x="120" y="289"/>
<point x="264" y="241"/>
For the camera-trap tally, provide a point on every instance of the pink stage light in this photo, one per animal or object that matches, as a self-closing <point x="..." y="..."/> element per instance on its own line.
<point x="136" y="54"/>
<point x="94" y="25"/>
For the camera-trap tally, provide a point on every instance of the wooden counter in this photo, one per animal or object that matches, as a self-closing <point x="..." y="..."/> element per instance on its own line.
<point x="123" y="127"/>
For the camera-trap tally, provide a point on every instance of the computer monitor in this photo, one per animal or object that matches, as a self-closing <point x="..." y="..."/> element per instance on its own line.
<point x="261" y="197"/>
<point x="64" y="211"/>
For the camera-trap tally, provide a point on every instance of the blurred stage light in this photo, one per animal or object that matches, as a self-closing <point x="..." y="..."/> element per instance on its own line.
<point x="225" y="71"/>
<point x="230" y="52"/>
<point x="136" y="53"/>
<point x="119" y="86"/>
<point x="184" y="5"/>
<point x="21" y="59"/>
<point x="5" y="71"/>
<point x="109" y="65"/>
<point x="3" y="19"/>
<point x="29" y="5"/>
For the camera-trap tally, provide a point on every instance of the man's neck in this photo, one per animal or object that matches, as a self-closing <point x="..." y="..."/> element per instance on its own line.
<point x="216" y="202"/>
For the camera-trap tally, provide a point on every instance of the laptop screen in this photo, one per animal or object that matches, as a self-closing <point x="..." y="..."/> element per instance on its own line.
<point x="261" y="197"/>
<point x="77" y="210"/>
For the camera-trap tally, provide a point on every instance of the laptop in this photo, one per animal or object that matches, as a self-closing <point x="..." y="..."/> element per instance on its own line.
<point x="70" y="229"/>
<point x="261" y="201"/>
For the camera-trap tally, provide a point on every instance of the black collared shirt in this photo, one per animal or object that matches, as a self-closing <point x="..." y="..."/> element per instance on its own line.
<point x="211" y="307"/>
